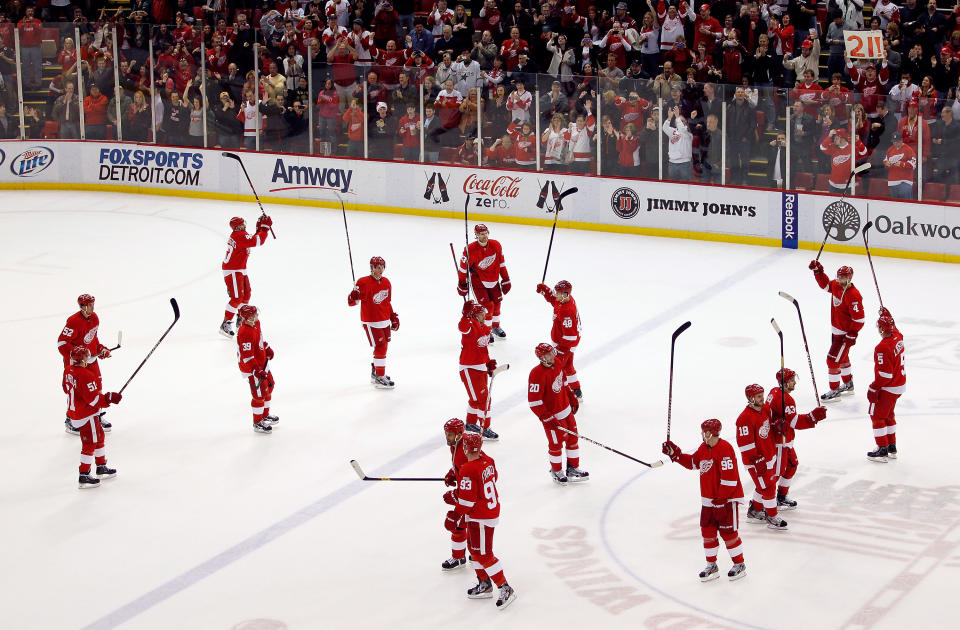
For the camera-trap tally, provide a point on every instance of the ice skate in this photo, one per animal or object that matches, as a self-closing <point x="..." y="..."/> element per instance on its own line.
<point x="373" y="375"/>
<point x="783" y="503"/>
<point x="262" y="427"/>
<point x="225" y="329"/>
<point x="492" y="338"/>
<point x="88" y="481"/>
<point x="69" y="428"/>
<point x="831" y="395"/>
<point x="847" y="388"/>
<point x="490" y="435"/>
<point x="383" y="382"/>
<point x="496" y="330"/>
<point x="472" y="428"/>
<point x="710" y="572"/>
<point x="507" y="596"/>
<point x="879" y="455"/>
<point x="483" y="590"/>
<point x="737" y="571"/>
<point x="776" y="523"/>
<point x="558" y="477"/>
<point x="891" y="451"/>
<point x="105" y="472"/>
<point x="451" y="564"/>
<point x="272" y="420"/>
<point x="756" y="516"/>
<point x="105" y="424"/>
<point x="575" y="474"/>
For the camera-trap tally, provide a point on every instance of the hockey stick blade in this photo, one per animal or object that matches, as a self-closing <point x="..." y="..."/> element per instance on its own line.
<point x="866" y="227"/>
<point x="789" y="298"/>
<point x="679" y="330"/>
<point x="119" y="341"/>
<point x="357" y="469"/>
<point x="863" y="167"/>
<point x="227" y="154"/>
<point x="773" y="323"/>
<point x="564" y="195"/>
<point x="503" y="367"/>
<point x="176" y="309"/>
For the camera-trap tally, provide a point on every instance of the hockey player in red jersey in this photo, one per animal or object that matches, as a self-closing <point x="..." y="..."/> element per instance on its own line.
<point x="85" y="401"/>
<point x="476" y="367"/>
<point x="235" y="265"/>
<point x="781" y="410"/>
<point x="253" y="353"/>
<point x="453" y="432"/>
<point x="478" y="509"/>
<point x="720" y="496"/>
<point x="374" y="294"/>
<point x="759" y="456"/>
<point x="80" y="331"/>
<point x="483" y="259"/>
<point x="552" y="400"/>
<point x="889" y="383"/>
<point x="565" y="333"/>
<point x="846" y="320"/>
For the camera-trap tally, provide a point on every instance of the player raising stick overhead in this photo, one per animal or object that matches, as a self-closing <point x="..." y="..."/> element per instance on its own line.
<point x="565" y="333"/>
<point x="80" y="331"/>
<point x="846" y="320"/>
<point x="554" y="403"/>
<point x="720" y="494"/>
<point x="373" y="293"/>
<point x="781" y="410"/>
<point x="488" y="275"/>
<point x="253" y="353"/>
<point x="235" y="265"/>
<point x="85" y="400"/>
<point x="476" y="367"/>
<point x="452" y="432"/>
<point x="889" y="383"/>
<point x="759" y="455"/>
<point x="478" y="509"/>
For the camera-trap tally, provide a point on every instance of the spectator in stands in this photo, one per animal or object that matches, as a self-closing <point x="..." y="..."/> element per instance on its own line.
<point x="710" y="153"/>
<point x="33" y="121"/>
<point x="408" y="130"/>
<point x="66" y="111"/>
<point x="837" y="148"/>
<point x="664" y="81"/>
<point x="901" y="94"/>
<point x="420" y="40"/>
<point x="835" y="39"/>
<point x="610" y="75"/>
<point x="627" y="144"/>
<point x="8" y="128"/>
<point x="910" y="126"/>
<point x="777" y="160"/>
<point x="137" y="125"/>
<point x="945" y="138"/>
<point x="680" y="146"/>
<point x="386" y="22"/>
<point x="526" y="70"/>
<point x="95" y="114"/>
<point x="553" y="142"/>
<point x="553" y="102"/>
<point x="342" y="57"/>
<point x="809" y="59"/>
<point x="229" y="129"/>
<point x="195" y="131"/>
<point x="901" y="163"/>
<point x="176" y="121"/>
<point x="741" y="135"/>
<point x="432" y="130"/>
<point x="30" y="51"/>
<point x="382" y="133"/>
<point x="502" y="153"/>
<point x="485" y="50"/>
<point x="881" y="130"/>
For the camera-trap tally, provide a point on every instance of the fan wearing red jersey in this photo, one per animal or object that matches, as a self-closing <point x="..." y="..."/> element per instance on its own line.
<point x="235" y="266"/>
<point x="476" y="367"/>
<point x="759" y="456"/>
<point x="478" y="509"/>
<point x="453" y="432"/>
<point x="565" y="333"/>
<point x="253" y="353"/>
<point x="80" y="331"/>
<point x="846" y="320"/>
<point x="85" y="400"/>
<point x="483" y="262"/>
<point x="554" y="403"/>
<point x="720" y="496"/>
<point x="889" y="383"/>
<point x="373" y="294"/>
<point x="781" y="410"/>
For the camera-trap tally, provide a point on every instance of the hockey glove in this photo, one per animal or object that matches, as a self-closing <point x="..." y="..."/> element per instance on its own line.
<point x="505" y="286"/>
<point x="671" y="450"/>
<point x="462" y="288"/>
<point x="543" y="290"/>
<point x="354" y="297"/>
<point x="264" y="221"/>
<point x="450" y="479"/>
<point x="816" y="266"/>
<point x="872" y="395"/>
<point x="818" y="413"/>
<point x="759" y="461"/>
<point x="269" y="353"/>
<point x="851" y="338"/>
<point x="394" y="321"/>
<point x="454" y="521"/>
<point x="884" y="312"/>
<point x="259" y="374"/>
<point x="491" y="366"/>
<point x="574" y="403"/>
<point x="448" y="498"/>
<point x="104" y="352"/>
<point x="113" y="398"/>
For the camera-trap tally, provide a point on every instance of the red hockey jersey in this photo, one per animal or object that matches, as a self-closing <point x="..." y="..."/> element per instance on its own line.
<point x="783" y="417"/>
<point x="840" y="162"/>
<point x="238" y="248"/>
<point x="755" y="437"/>
<point x="889" y="371"/>
<point x="719" y="475"/>
<point x="477" y="491"/>
<point x="901" y="164"/>
<point x="82" y="387"/>
<point x="486" y="263"/>
<point x="846" y="306"/>
<point x="251" y="348"/>
<point x="474" y="339"/>
<point x="566" y="322"/>
<point x="547" y="395"/>
<point x="79" y="331"/>
<point x="375" y="307"/>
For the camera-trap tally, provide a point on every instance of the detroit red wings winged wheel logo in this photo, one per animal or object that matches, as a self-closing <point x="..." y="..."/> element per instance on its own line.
<point x="705" y="466"/>
<point x="557" y="384"/>
<point x="764" y="429"/>
<point x="381" y="296"/>
<point x="486" y="262"/>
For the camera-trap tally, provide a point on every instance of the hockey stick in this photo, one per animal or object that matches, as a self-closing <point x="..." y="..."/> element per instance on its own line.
<point x="806" y="347"/>
<point x="456" y="266"/>
<point x="656" y="464"/>
<point x="236" y="157"/>
<point x="870" y="260"/>
<point x="783" y="393"/>
<point x="500" y="368"/>
<point x="359" y="471"/>
<point x="466" y="243"/>
<point x="853" y="172"/>
<point x="826" y="235"/>
<point x="176" y="317"/>
<point x="259" y="381"/>
<point x="119" y="340"/>
<point x="347" y="230"/>
<point x="673" y="343"/>
<point x="558" y="206"/>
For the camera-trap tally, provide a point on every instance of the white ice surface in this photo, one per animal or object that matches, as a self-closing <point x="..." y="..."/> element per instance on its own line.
<point x="209" y="525"/>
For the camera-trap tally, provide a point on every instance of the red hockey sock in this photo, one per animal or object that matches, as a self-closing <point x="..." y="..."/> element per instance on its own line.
<point x="734" y="547"/>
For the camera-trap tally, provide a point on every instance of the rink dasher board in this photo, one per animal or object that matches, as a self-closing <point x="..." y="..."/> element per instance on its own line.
<point x="753" y="216"/>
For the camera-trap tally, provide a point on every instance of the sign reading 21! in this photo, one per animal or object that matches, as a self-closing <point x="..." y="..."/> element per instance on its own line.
<point x="864" y="45"/>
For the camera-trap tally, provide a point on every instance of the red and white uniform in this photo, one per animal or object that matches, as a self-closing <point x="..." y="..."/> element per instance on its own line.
<point x="846" y="320"/>
<point x="524" y="145"/>
<point x="375" y="314"/>
<point x="408" y="131"/>
<point x="251" y="358"/>
<point x="235" y="268"/>
<point x="840" y="162"/>
<point x="781" y="411"/>
<point x="437" y="18"/>
<point x="458" y="535"/>
<point x="80" y="331"/>
<point x="549" y="398"/>
<point x="478" y="501"/>
<point x="901" y="165"/>
<point x="519" y="105"/>
<point x="759" y="455"/>
<point x="579" y="142"/>
<point x="474" y="339"/>
<point x="889" y="383"/>
<point x="488" y="272"/>
<point x="85" y="400"/>
<point x="810" y="94"/>
<point x="720" y="494"/>
<point x="330" y="37"/>
<point x="510" y="52"/>
<point x="631" y="111"/>
<point x="870" y="91"/>
<point x="565" y="335"/>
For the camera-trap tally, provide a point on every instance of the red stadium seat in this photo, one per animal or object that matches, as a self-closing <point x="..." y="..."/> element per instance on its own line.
<point x="878" y="188"/>
<point x="934" y="192"/>
<point x="822" y="183"/>
<point x="803" y="181"/>
<point x="448" y="154"/>
<point x="954" y="193"/>
<point x="51" y="130"/>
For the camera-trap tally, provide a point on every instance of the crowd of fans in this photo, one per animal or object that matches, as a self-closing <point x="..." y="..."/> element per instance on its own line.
<point x="663" y="88"/>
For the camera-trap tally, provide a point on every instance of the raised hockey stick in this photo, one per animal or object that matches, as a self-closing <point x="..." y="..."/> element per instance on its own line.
<point x="866" y="246"/>
<point x="456" y="266"/>
<point x="360" y="473"/>
<point x="826" y="235"/>
<point x="806" y="347"/>
<point x="176" y="317"/>
<point x="347" y="230"/>
<point x="673" y="343"/>
<point x="656" y="464"/>
<point x="466" y="243"/>
<point x="783" y="393"/>
<point x="119" y="341"/>
<point x="558" y="206"/>
<point x="236" y="157"/>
